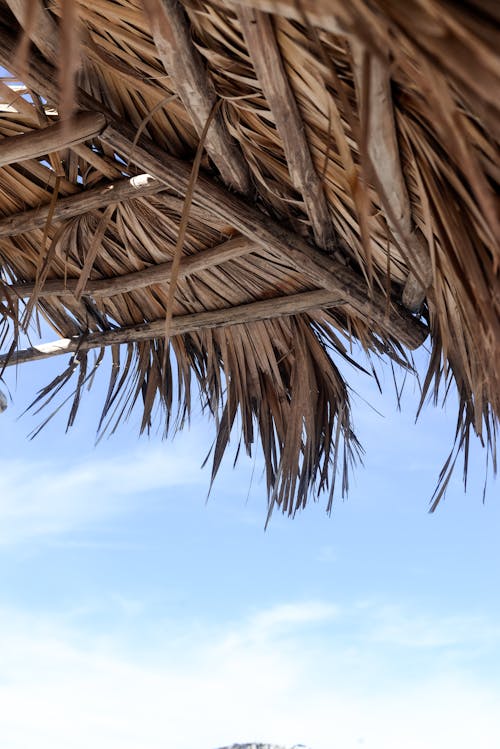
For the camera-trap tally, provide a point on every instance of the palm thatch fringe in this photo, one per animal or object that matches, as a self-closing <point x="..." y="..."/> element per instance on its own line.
<point x="362" y="140"/>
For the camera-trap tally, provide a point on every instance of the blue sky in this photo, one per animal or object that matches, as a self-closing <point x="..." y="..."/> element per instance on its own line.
<point x="135" y="613"/>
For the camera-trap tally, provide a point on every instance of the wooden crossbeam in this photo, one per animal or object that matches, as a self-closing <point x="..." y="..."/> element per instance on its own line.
<point x="84" y="125"/>
<point x="161" y="273"/>
<point x="266" y="309"/>
<point x="268" y="63"/>
<point x="83" y="202"/>
<point x="94" y="198"/>
<point x="188" y="73"/>
<point x="319" y="269"/>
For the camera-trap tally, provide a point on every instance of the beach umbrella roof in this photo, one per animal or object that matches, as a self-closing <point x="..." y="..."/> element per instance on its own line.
<point x="237" y="196"/>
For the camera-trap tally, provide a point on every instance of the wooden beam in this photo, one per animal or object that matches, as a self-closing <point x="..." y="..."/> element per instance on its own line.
<point x="382" y="146"/>
<point x="188" y="73"/>
<point x="266" y="309"/>
<point x="95" y="198"/>
<point x="318" y="268"/>
<point x="82" y="202"/>
<point x="107" y="287"/>
<point x="318" y="12"/>
<point x="84" y="125"/>
<point x="245" y="218"/>
<point x="271" y="74"/>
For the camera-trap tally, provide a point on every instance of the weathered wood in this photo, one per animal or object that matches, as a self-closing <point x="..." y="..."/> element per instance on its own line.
<point x="245" y="218"/>
<point x="83" y="202"/>
<point x="318" y="12"/>
<point x="188" y="73"/>
<point x="102" y="165"/>
<point x="383" y="150"/>
<point x="266" y="309"/>
<point x="12" y="103"/>
<point x="319" y="269"/>
<point x="271" y="74"/>
<point x="94" y="198"/>
<point x="43" y="31"/>
<point x="161" y="273"/>
<point x="84" y="126"/>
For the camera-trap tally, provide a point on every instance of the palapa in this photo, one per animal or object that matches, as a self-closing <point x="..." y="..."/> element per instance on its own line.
<point x="228" y="194"/>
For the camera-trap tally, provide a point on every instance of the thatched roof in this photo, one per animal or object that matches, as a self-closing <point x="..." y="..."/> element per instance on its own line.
<point x="256" y="184"/>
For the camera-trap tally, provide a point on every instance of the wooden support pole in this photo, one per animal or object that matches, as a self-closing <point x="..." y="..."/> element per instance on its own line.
<point x="244" y="313"/>
<point x="319" y="269"/>
<point x="84" y="125"/>
<point x="271" y="74"/>
<point x="188" y="73"/>
<point x="161" y="273"/>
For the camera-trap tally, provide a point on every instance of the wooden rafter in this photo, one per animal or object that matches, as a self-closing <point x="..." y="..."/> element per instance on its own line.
<point x="161" y="273"/>
<point x="84" y="126"/>
<point x="383" y="151"/>
<point x="188" y="73"/>
<point x="266" y="57"/>
<point x="266" y="309"/>
<point x="317" y="13"/>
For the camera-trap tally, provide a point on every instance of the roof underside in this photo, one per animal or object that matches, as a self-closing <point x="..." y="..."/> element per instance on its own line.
<point x="254" y="184"/>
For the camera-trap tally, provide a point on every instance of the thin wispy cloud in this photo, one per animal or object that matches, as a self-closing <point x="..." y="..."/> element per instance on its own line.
<point x="294" y="615"/>
<point x="400" y="628"/>
<point x="52" y="498"/>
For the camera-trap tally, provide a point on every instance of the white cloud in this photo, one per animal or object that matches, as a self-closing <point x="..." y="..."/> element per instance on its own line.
<point x="53" y="498"/>
<point x="395" y="626"/>
<point x="58" y="688"/>
<point x="292" y="614"/>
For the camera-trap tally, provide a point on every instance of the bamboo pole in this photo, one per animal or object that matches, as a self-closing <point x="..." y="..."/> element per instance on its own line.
<point x="318" y="13"/>
<point x="181" y="325"/>
<point x="93" y="199"/>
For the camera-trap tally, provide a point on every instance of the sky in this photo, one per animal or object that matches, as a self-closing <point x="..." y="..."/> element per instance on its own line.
<point x="135" y="612"/>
